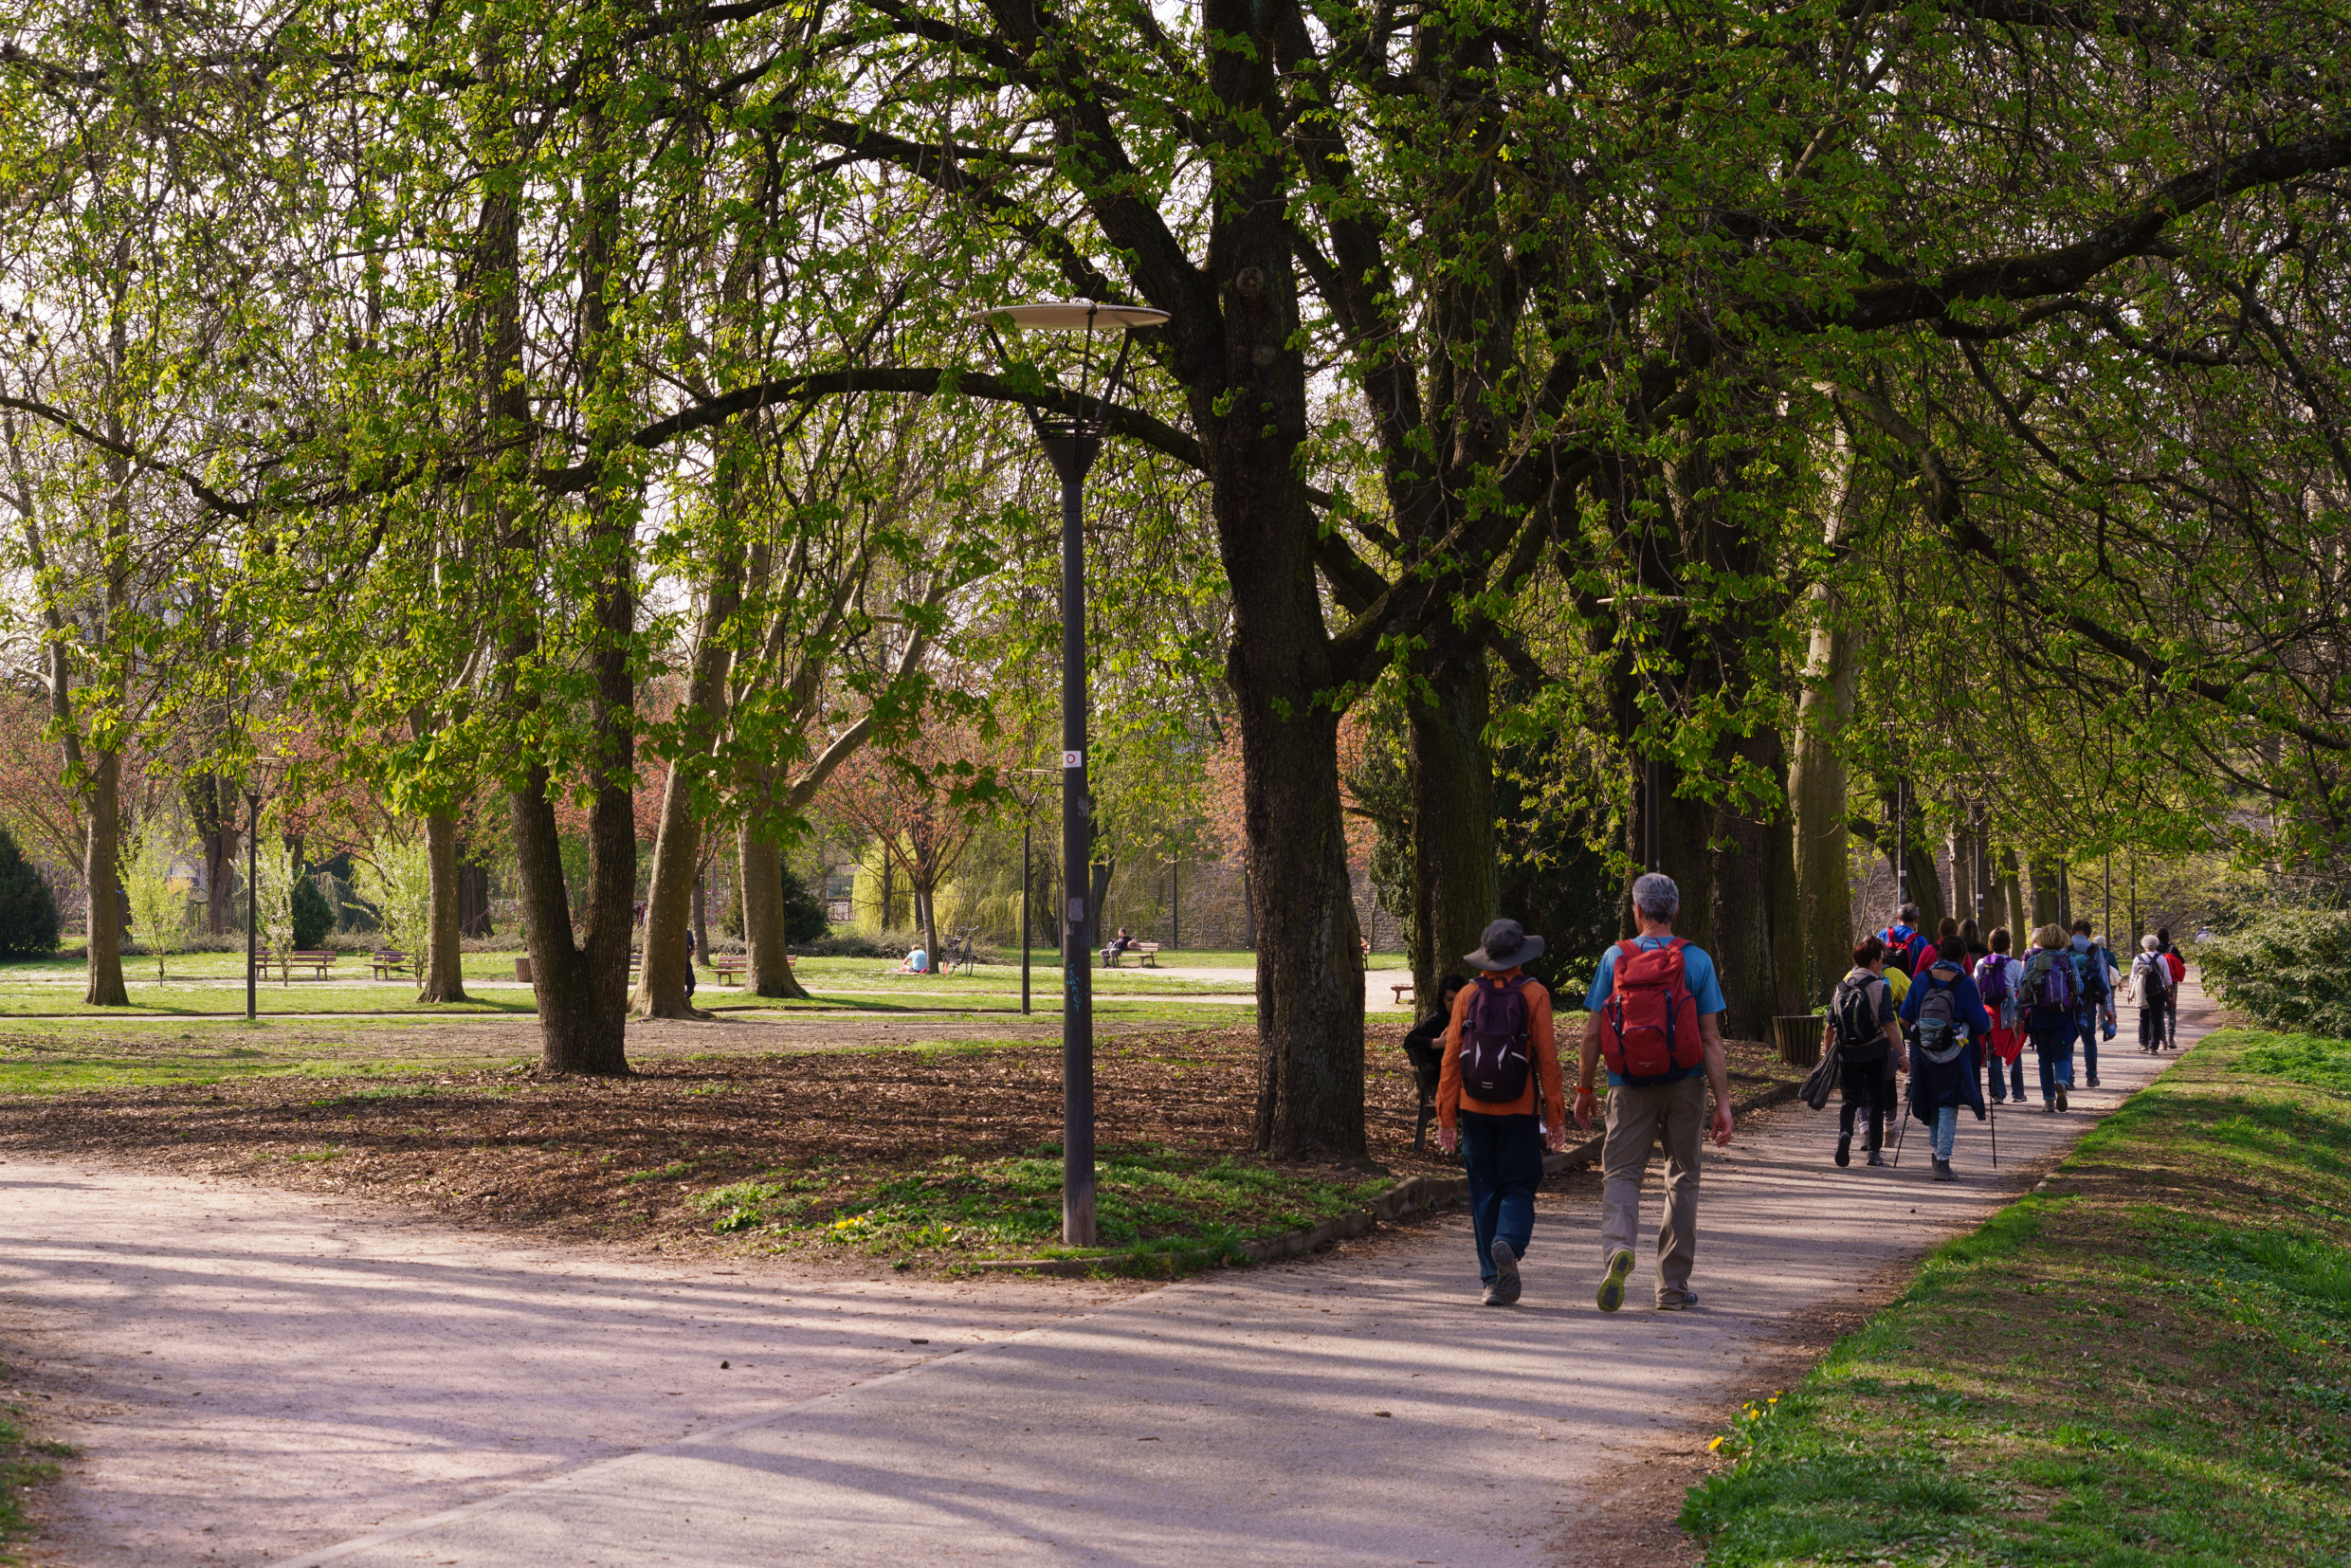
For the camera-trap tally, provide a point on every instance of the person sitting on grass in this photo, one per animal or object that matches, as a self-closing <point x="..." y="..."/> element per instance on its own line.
<point x="918" y="963"/>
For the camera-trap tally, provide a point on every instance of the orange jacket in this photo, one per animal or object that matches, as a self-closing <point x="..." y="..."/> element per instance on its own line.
<point x="1451" y="1102"/>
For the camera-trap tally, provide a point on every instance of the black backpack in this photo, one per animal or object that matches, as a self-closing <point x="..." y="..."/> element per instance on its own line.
<point x="1494" y="1061"/>
<point x="1856" y="1015"/>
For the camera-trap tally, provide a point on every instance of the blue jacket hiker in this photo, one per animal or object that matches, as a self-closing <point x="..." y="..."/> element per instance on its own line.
<point x="1948" y="1027"/>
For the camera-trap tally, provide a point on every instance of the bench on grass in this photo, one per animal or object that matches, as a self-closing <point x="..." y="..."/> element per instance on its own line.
<point x="1148" y="952"/>
<point x="319" y="961"/>
<point x="388" y="963"/>
<point x="730" y="966"/>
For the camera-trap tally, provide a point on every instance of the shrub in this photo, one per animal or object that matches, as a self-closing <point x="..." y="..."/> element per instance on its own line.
<point x="27" y="908"/>
<point x="313" y="916"/>
<point x="2289" y="970"/>
<point x="804" y="913"/>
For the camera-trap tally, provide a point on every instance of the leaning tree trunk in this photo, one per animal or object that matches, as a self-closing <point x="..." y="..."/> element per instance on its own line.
<point x="761" y="869"/>
<point x="1451" y="779"/>
<point x="445" y="950"/>
<point x="668" y="907"/>
<point x="101" y="876"/>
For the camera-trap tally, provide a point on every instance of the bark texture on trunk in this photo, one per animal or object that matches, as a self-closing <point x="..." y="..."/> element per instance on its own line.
<point x="1818" y="788"/>
<point x="2013" y="898"/>
<point x="445" y="953"/>
<point x="2047" y="898"/>
<point x="760" y="865"/>
<point x="212" y="810"/>
<point x="1791" y="991"/>
<point x="1746" y="886"/>
<point x="101" y="876"/>
<point x="676" y="854"/>
<point x="473" y="894"/>
<point x="1450" y="775"/>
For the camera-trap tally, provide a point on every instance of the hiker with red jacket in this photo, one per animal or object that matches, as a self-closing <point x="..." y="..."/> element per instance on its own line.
<point x="1498" y="1050"/>
<point x="1656" y="1018"/>
<point x="1906" y="947"/>
<point x="2177" y="967"/>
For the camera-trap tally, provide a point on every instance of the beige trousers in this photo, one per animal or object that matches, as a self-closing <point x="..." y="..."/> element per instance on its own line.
<point x="1638" y="1118"/>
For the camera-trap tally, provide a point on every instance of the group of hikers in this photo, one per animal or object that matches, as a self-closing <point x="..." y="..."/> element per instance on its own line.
<point x="1954" y="1011"/>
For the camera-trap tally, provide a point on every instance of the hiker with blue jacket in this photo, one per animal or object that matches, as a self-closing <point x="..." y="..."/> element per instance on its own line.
<point x="2093" y="977"/>
<point x="1498" y="1049"/>
<point x="2047" y="994"/>
<point x="1948" y="1025"/>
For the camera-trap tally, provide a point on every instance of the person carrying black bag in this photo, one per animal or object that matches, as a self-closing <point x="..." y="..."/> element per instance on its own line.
<point x="1868" y="1044"/>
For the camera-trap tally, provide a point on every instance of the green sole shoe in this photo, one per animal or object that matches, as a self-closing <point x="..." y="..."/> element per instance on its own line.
<point x="1611" y="1292"/>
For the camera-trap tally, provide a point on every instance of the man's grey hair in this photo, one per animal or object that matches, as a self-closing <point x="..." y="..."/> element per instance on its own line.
<point x="1654" y="895"/>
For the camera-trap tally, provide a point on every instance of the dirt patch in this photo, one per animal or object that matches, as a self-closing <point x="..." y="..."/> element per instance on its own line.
<point x="627" y="1159"/>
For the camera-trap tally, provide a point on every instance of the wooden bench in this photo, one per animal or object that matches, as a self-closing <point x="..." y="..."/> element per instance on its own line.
<point x="730" y="966"/>
<point x="1403" y="992"/>
<point x="288" y="962"/>
<point x="389" y="963"/>
<point x="1149" y="951"/>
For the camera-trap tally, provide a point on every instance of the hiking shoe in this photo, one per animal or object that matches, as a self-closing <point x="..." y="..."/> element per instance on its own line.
<point x="1680" y="1301"/>
<point x="1492" y="1296"/>
<point x="2093" y="1079"/>
<point x="2050" y="1106"/>
<point x="1506" y="1289"/>
<point x="1612" y="1291"/>
<point x="1876" y="1158"/>
<point x="1845" y="1150"/>
<point x="1943" y="1171"/>
<point x="2060" y="1096"/>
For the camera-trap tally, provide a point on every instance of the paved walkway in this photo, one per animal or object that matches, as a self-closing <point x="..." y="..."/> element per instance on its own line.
<point x="1350" y="1410"/>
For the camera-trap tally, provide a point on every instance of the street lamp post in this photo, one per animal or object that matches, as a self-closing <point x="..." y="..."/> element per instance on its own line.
<point x="1072" y="443"/>
<point x="253" y="896"/>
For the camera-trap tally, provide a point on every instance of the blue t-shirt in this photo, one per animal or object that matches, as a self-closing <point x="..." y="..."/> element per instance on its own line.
<point x="1697" y="973"/>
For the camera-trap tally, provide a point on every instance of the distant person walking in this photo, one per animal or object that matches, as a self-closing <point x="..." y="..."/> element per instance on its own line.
<point x="1864" y="1033"/>
<point x="1948" y="1023"/>
<point x="2048" y="998"/>
<point x="2151" y="983"/>
<point x="2178" y="967"/>
<point x="1656" y="1018"/>
<point x="2093" y="970"/>
<point x="1999" y="983"/>
<point x="1905" y="944"/>
<point x="1498" y="1049"/>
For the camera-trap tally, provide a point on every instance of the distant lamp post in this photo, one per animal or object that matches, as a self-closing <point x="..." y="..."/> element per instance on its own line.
<point x="1072" y="441"/>
<point x="256" y="782"/>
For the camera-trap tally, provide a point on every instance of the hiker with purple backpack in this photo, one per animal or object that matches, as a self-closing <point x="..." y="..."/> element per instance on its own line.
<point x="1656" y="1018"/>
<point x="2047" y="994"/>
<point x="1947" y="1028"/>
<point x="1999" y="983"/>
<point x="1498" y="1049"/>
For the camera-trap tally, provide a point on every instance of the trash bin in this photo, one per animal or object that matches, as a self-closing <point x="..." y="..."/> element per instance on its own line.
<point x="1798" y="1038"/>
<point x="523" y="968"/>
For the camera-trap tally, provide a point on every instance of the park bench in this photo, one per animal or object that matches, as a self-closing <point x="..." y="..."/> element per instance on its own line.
<point x="1403" y="990"/>
<point x="730" y="966"/>
<point x="1148" y="952"/>
<point x="288" y="962"/>
<point x="388" y="963"/>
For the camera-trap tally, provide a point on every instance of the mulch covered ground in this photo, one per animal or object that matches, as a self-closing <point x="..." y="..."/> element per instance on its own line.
<point x="624" y="1159"/>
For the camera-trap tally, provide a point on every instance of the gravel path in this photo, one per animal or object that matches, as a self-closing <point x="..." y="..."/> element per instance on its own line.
<point x="259" y="1378"/>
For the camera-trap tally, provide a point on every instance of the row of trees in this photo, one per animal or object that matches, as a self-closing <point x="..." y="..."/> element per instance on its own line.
<point x="1727" y="430"/>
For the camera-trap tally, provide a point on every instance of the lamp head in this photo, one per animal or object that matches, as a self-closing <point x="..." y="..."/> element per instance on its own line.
<point x="1090" y="317"/>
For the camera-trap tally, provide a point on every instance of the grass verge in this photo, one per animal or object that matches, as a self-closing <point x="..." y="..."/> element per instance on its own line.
<point x="2147" y="1363"/>
<point x="25" y="1461"/>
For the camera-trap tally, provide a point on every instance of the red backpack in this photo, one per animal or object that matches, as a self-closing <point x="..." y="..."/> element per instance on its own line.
<point x="1650" y="1024"/>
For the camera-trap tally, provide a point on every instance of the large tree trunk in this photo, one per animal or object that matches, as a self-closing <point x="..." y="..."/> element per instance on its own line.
<point x="102" y="874"/>
<point x="1451" y="779"/>
<point x="1816" y="780"/>
<point x="212" y="809"/>
<point x="2012" y="899"/>
<point x="445" y="953"/>
<point x="473" y="895"/>
<point x="1745" y="885"/>
<point x="2048" y="900"/>
<point x="1791" y="992"/>
<point x="676" y="854"/>
<point x="760" y="867"/>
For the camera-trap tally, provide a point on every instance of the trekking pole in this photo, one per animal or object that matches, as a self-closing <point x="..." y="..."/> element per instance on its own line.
<point x="1994" y="1112"/>
<point x="1901" y="1133"/>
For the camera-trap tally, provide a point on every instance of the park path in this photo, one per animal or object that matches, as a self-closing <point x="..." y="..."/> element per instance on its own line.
<point x="402" y="1393"/>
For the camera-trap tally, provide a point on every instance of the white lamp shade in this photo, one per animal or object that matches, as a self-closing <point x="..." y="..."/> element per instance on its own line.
<point x="1075" y="315"/>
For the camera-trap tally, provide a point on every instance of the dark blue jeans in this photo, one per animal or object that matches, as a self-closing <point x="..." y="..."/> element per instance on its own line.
<point x="2085" y="1026"/>
<point x="2053" y="1042"/>
<point x="1503" y="1158"/>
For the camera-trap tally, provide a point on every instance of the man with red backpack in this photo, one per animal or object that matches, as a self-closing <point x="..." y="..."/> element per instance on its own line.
<point x="1498" y="1050"/>
<point x="1656" y="1019"/>
<point x="1905" y="944"/>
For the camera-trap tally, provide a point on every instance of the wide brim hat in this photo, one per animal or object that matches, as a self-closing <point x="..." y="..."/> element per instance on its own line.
<point x="1505" y="945"/>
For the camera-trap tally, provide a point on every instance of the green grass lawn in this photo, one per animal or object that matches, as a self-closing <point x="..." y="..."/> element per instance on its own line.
<point x="2148" y="1362"/>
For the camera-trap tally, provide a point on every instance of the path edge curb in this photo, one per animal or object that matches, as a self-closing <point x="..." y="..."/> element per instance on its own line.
<point x="1413" y="1195"/>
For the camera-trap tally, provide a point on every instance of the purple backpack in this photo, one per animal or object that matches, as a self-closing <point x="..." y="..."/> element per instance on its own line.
<point x="1991" y="980"/>
<point x="1494" y="1060"/>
